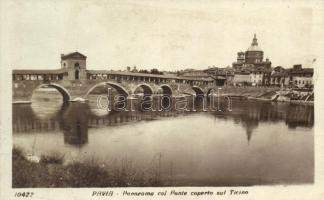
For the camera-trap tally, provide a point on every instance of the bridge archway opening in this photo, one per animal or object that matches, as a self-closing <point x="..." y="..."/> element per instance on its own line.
<point x="166" y="90"/>
<point x="200" y="97"/>
<point x="166" y="99"/>
<point x="144" y="93"/>
<point x="100" y="91"/>
<point x="143" y="89"/>
<point x="63" y="91"/>
<point x="198" y="90"/>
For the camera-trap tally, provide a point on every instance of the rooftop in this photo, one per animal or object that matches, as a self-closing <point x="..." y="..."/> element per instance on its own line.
<point x="145" y="75"/>
<point x="73" y="55"/>
<point x="37" y="71"/>
<point x="302" y="71"/>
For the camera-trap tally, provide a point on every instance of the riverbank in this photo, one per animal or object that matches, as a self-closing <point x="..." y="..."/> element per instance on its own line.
<point x="294" y="96"/>
<point x="247" y="91"/>
<point x="50" y="171"/>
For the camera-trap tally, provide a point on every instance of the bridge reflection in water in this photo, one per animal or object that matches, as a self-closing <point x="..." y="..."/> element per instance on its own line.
<point x="76" y="118"/>
<point x="249" y="145"/>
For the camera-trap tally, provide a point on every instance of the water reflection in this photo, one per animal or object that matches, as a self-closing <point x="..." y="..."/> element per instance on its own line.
<point x="249" y="145"/>
<point x="75" y="119"/>
<point x="25" y="120"/>
<point x="250" y="113"/>
<point x="75" y="124"/>
<point x="46" y="103"/>
<point x="45" y="110"/>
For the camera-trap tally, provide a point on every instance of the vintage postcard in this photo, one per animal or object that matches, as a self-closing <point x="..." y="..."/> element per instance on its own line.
<point x="110" y="99"/>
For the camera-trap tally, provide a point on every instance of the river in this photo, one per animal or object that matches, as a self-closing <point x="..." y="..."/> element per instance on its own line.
<point x="257" y="143"/>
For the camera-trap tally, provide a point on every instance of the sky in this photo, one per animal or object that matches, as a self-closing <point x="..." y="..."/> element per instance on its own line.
<point x="168" y="35"/>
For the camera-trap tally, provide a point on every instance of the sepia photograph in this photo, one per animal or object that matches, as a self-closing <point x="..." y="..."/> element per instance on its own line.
<point x="179" y="99"/>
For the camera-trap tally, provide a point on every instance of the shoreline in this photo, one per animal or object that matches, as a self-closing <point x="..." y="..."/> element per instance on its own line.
<point x="249" y="93"/>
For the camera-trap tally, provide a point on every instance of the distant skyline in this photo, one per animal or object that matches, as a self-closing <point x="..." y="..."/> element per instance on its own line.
<point x="168" y="35"/>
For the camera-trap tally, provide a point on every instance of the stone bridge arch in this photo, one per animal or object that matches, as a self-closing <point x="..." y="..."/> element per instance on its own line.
<point x="118" y="87"/>
<point x="198" y="90"/>
<point x="190" y="90"/>
<point x="166" y="89"/>
<point x="147" y="89"/>
<point x="62" y="90"/>
<point x="24" y="90"/>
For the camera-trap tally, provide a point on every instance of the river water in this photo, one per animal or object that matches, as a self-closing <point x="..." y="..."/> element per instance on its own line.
<point x="257" y="143"/>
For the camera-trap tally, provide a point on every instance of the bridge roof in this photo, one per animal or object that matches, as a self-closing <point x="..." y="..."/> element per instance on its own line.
<point x="37" y="71"/>
<point x="146" y="75"/>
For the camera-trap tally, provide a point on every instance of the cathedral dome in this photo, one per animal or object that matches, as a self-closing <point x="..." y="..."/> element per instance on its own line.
<point x="254" y="48"/>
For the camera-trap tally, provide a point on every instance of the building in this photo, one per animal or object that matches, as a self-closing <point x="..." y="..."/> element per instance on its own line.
<point x="252" y="60"/>
<point x="260" y="76"/>
<point x="222" y="76"/>
<point x="242" y="78"/>
<point x="297" y="77"/>
<point x="301" y="77"/>
<point x="279" y="77"/>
